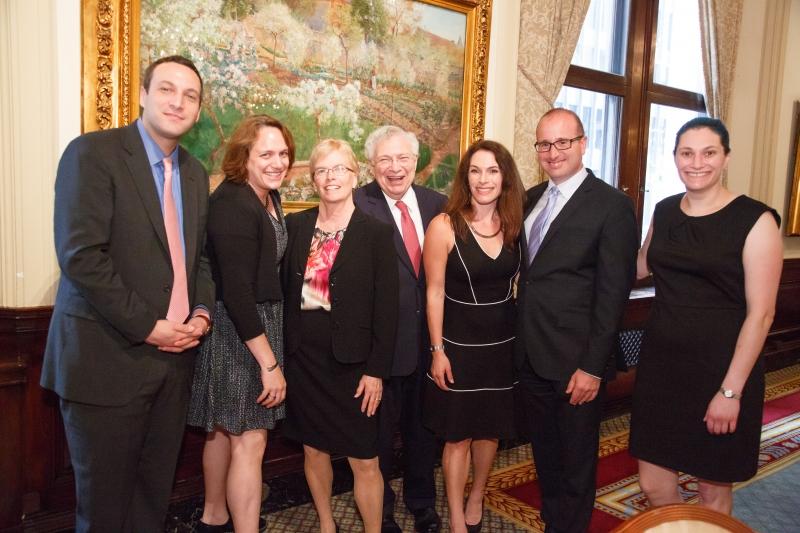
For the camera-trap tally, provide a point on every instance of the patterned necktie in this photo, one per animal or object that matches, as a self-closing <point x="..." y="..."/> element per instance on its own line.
<point x="540" y="222"/>
<point x="410" y="238"/>
<point x="179" y="298"/>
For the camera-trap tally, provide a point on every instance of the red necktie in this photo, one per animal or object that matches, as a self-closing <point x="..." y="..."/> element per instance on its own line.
<point x="179" y="299"/>
<point x="410" y="238"/>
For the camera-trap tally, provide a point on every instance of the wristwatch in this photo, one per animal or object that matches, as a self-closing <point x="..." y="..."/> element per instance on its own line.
<point x="728" y="393"/>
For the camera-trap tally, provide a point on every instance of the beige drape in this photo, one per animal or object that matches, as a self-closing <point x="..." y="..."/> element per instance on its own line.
<point x="719" y="36"/>
<point x="548" y="34"/>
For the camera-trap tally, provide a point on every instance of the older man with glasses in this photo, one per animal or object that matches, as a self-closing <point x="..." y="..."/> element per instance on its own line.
<point x="580" y="242"/>
<point x="394" y="199"/>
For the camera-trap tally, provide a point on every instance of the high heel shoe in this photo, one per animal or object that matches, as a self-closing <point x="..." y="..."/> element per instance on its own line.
<point x="474" y="528"/>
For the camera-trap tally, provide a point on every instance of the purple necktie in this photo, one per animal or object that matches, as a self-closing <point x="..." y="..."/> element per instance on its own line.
<point x="540" y="222"/>
<point x="179" y="298"/>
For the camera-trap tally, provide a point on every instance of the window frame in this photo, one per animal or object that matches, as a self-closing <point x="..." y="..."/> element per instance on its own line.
<point x="637" y="91"/>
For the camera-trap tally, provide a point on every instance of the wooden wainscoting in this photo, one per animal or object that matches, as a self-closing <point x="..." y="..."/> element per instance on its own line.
<point x="34" y="460"/>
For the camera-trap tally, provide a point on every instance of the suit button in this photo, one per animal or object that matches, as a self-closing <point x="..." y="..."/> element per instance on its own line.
<point x="167" y="288"/>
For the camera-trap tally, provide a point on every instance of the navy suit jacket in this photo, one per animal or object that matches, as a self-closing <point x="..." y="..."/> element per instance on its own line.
<point x="412" y="327"/>
<point x="116" y="272"/>
<point x="571" y="298"/>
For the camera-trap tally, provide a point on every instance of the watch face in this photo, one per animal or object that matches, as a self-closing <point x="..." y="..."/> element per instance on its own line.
<point x="727" y="393"/>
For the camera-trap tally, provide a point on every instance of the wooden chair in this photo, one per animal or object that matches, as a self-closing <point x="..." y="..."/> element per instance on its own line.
<point x="682" y="518"/>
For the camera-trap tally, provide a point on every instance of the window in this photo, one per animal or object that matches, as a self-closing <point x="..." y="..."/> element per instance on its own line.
<point x="636" y="77"/>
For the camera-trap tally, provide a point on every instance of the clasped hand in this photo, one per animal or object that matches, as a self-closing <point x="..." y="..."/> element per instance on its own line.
<point x="173" y="337"/>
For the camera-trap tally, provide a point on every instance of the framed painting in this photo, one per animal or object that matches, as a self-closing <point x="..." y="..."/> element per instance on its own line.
<point x="325" y="68"/>
<point x="793" y="220"/>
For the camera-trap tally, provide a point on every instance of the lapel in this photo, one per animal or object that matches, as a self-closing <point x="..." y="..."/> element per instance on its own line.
<point x="189" y="192"/>
<point x="353" y="239"/>
<point x="382" y="212"/>
<point x="305" y="232"/>
<point x="428" y="207"/>
<point x="136" y="160"/>
<point x="576" y="202"/>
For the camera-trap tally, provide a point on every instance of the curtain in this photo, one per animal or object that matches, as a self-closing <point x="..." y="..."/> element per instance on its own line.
<point x="719" y="35"/>
<point x="548" y="34"/>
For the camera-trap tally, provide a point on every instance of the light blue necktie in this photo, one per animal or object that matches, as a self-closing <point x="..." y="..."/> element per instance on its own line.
<point x="540" y="222"/>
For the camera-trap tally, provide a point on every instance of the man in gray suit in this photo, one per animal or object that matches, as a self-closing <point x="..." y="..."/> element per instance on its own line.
<point x="408" y="208"/>
<point x="132" y="302"/>
<point x="580" y="242"/>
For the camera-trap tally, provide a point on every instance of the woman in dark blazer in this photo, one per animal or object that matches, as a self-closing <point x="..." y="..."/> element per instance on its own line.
<point x="238" y="388"/>
<point x="341" y="290"/>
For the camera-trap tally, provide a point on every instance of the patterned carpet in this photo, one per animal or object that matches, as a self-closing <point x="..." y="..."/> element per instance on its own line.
<point x="512" y="493"/>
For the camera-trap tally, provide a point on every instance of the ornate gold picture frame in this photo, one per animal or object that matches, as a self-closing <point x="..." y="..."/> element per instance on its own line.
<point x="112" y="57"/>
<point x="793" y="220"/>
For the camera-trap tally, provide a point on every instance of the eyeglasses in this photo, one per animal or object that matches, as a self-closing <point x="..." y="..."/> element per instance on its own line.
<point x="560" y="144"/>
<point x="402" y="159"/>
<point x="338" y="171"/>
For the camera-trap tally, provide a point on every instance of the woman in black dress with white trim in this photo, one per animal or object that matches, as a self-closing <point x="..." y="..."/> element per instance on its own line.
<point x="471" y="261"/>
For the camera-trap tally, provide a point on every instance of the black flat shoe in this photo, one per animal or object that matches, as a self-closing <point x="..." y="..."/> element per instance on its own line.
<point x="202" y="527"/>
<point x="388" y="525"/>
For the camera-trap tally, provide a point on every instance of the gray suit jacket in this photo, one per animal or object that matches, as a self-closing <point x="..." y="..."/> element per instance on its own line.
<point x="572" y="296"/>
<point x="116" y="273"/>
<point x="412" y="327"/>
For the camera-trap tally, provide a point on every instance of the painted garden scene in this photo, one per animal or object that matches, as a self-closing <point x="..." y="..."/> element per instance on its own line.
<point x="325" y="68"/>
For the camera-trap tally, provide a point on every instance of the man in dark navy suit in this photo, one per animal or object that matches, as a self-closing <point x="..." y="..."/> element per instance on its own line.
<point x="393" y="198"/>
<point x="132" y="302"/>
<point x="580" y="242"/>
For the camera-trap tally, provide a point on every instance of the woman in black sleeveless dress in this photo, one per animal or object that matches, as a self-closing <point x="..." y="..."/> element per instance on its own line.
<point x="716" y="260"/>
<point x="471" y="260"/>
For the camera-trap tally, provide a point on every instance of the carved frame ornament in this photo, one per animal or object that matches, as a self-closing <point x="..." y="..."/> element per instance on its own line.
<point x="110" y="63"/>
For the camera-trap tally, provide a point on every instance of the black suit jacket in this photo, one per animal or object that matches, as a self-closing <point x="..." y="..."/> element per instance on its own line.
<point x="572" y="297"/>
<point x="363" y="290"/>
<point x="412" y="326"/>
<point x="116" y="273"/>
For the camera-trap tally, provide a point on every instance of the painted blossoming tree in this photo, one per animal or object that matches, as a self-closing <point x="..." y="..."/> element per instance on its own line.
<point x="325" y="68"/>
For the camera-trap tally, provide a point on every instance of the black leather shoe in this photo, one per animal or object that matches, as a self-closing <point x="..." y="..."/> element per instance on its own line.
<point x="427" y="520"/>
<point x="389" y="525"/>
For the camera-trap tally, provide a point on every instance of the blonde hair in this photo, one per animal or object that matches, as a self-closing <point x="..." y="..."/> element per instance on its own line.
<point x="326" y="147"/>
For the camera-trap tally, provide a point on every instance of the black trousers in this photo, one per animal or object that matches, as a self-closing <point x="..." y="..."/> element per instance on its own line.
<point x="564" y="440"/>
<point x="124" y="457"/>
<point x="401" y="407"/>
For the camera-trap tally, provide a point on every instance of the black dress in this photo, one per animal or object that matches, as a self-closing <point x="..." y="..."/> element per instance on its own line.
<point x="478" y="334"/>
<point x="689" y="342"/>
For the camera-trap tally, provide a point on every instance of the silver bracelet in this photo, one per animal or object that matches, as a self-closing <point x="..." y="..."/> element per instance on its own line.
<point x="437" y="347"/>
<point x="273" y="367"/>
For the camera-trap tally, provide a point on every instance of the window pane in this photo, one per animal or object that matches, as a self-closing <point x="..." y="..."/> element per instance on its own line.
<point x="678" y="60"/>
<point x="662" y="177"/>
<point x="600" y="114"/>
<point x="604" y="37"/>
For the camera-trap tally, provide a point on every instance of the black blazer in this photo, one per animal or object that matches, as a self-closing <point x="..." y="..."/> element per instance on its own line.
<point x="363" y="290"/>
<point x="411" y="347"/>
<point x="571" y="298"/>
<point x="243" y="250"/>
<point x="116" y="273"/>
